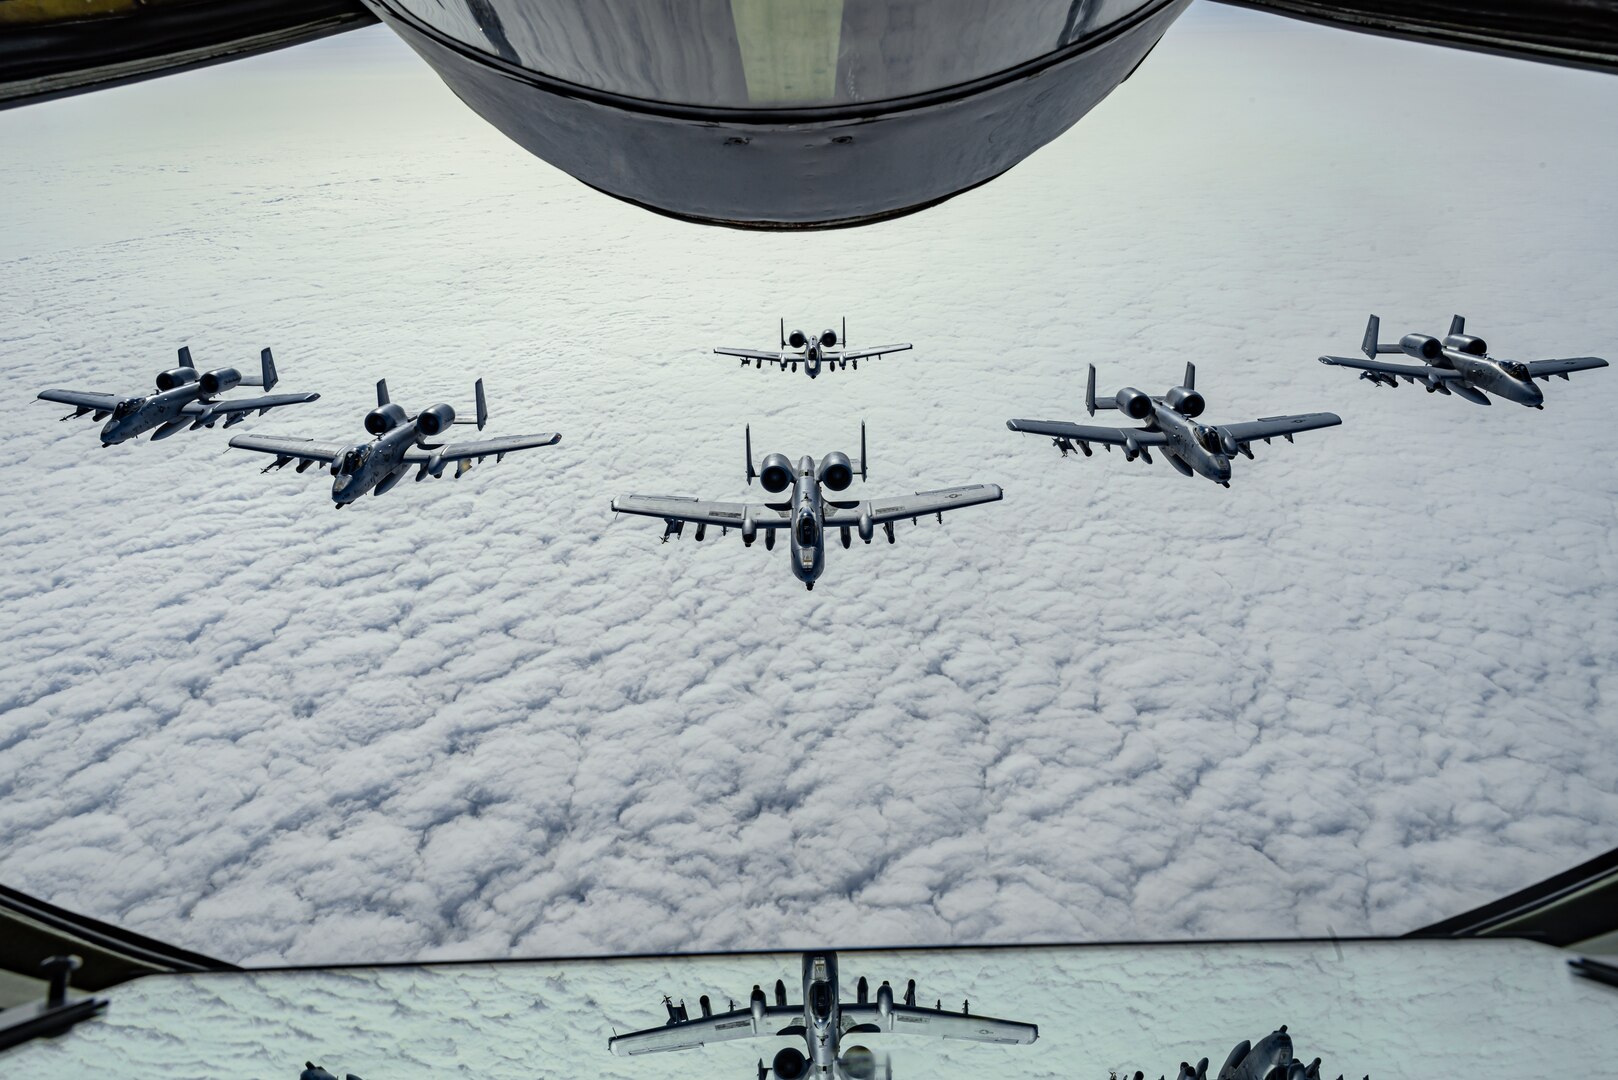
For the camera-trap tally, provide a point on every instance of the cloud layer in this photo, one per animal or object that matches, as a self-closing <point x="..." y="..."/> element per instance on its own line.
<point x="1368" y="686"/>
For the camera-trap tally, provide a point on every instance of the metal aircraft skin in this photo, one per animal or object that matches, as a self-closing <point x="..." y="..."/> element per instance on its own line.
<point x="185" y="399"/>
<point x="812" y="352"/>
<point x="807" y="513"/>
<point x="821" y="1019"/>
<point x="1169" y="423"/>
<point x="1458" y="365"/>
<point x="400" y="442"/>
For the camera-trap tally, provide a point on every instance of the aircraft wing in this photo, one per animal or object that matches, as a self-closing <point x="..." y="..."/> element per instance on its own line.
<point x="1544" y="369"/>
<point x="909" y="1020"/>
<point x="1061" y="429"/>
<point x="914" y="506"/>
<point x="463" y="451"/>
<point x="721" y="1027"/>
<point x="267" y="401"/>
<point x="1269" y="427"/>
<point x="753" y="354"/>
<point x="1403" y="371"/>
<point x="861" y="354"/>
<point x="83" y="401"/>
<point x="289" y="447"/>
<point x="700" y="511"/>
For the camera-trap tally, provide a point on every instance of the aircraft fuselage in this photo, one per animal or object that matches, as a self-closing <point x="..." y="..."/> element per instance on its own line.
<point x="1487" y="373"/>
<point x="1188" y="448"/>
<point x="821" y="1027"/>
<point x="808" y="539"/>
<point x="376" y="465"/>
<point x="163" y="407"/>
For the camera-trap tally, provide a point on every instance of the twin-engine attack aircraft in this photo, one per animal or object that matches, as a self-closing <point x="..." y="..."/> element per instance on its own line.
<point x="185" y="398"/>
<point x="401" y="441"/>
<point x="799" y="348"/>
<point x="1170" y="424"/>
<point x="1459" y="365"/>
<point x="807" y="513"/>
<point x="821" y="1020"/>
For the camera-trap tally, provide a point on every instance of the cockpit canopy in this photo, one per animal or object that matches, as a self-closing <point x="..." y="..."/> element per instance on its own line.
<point x="1208" y="436"/>
<point x="1516" y="369"/>
<point x="808" y="533"/>
<point x="819" y="992"/>
<point x="126" y="407"/>
<point x="352" y="459"/>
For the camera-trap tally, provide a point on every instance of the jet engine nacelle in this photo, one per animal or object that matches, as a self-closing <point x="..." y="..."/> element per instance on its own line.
<point x="789" y="1064"/>
<point x="828" y="338"/>
<point x="797" y="339"/>
<point x="776" y="473"/>
<point x="219" y="380"/>
<point x="1185" y="401"/>
<point x="1421" y="346"/>
<point x="385" y="418"/>
<point x="836" y="471"/>
<point x="858" y="1063"/>
<point x="1474" y="346"/>
<point x="435" y="420"/>
<point x="1133" y="403"/>
<point x="179" y="376"/>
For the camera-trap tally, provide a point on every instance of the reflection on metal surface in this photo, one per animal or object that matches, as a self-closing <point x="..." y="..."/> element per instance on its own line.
<point x="738" y="54"/>
<point x="1577" y="33"/>
<point x="49" y="48"/>
<point x="728" y="112"/>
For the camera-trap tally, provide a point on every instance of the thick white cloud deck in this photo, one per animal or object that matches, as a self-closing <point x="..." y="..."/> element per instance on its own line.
<point x="1370" y="685"/>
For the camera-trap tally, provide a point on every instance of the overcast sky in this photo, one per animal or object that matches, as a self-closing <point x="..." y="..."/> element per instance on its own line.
<point x="1370" y="685"/>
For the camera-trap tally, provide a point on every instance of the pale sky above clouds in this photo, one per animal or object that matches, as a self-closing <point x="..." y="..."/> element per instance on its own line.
<point x="1370" y="685"/>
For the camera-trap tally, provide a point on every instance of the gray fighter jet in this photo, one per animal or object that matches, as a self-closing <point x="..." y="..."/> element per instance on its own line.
<point x="1270" y="1059"/>
<point x="821" y="1019"/>
<point x="806" y="513"/>
<point x="1170" y="424"/>
<point x="185" y="399"/>
<point x="401" y="441"/>
<point x="799" y="348"/>
<point x="1458" y="365"/>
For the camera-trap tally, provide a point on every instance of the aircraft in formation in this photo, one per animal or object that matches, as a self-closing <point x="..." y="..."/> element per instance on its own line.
<point x="799" y="348"/>
<point x="810" y="507"/>
<point x="1458" y="365"/>
<point x="807" y="513"/>
<point x="400" y="442"/>
<point x="821" y="1019"/>
<point x="1169" y="423"/>
<point x="185" y="398"/>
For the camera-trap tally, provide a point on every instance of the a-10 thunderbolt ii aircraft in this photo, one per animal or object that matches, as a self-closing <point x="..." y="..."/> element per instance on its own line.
<point x="806" y="513"/>
<point x="185" y="398"/>
<point x="1458" y="365"/>
<point x="821" y="1019"/>
<point x="1170" y="424"/>
<point x="799" y="348"/>
<point x="401" y="441"/>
